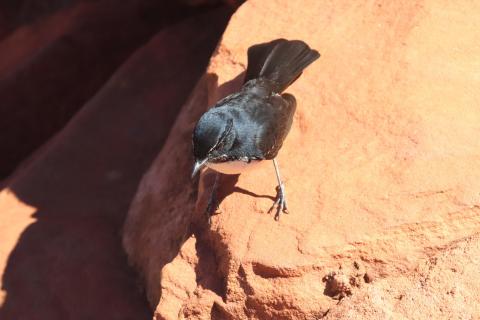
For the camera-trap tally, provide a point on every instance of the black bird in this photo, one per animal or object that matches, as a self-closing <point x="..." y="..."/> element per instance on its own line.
<point x="251" y="125"/>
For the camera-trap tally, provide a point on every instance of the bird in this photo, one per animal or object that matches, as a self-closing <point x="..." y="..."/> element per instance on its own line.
<point x="249" y="126"/>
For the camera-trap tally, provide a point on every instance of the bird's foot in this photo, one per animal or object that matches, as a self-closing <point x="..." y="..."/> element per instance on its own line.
<point x="280" y="203"/>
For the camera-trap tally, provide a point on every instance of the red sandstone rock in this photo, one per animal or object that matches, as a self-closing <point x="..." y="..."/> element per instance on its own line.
<point x="381" y="170"/>
<point x="60" y="251"/>
<point x="443" y="286"/>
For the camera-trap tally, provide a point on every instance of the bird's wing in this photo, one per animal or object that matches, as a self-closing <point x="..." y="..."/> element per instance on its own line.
<point x="274" y="119"/>
<point x="233" y="98"/>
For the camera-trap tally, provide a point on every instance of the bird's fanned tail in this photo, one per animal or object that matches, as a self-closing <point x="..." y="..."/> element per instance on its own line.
<point x="280" y="61"/>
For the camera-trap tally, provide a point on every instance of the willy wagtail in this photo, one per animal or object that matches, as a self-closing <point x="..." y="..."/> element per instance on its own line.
<point x="250" y="126"/>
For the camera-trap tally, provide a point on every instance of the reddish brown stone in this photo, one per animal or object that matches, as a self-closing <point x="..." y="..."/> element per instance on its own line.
<point x="61" y="214"/>
<point x="381" y="169"/>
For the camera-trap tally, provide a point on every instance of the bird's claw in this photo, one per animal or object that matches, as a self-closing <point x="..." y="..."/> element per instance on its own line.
<point x="280" y="202"/>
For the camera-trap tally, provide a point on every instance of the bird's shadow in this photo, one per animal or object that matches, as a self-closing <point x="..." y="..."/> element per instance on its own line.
<point x="252" y="194"/>
<point x="226" y="186"/>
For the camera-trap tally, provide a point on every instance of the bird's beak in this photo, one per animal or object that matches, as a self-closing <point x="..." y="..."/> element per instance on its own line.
<point x="198" y="165"/>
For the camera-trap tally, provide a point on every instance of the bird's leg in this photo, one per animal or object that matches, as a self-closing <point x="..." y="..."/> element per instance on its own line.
<point x="281" y="201"/>
<point x="212" y="205"/>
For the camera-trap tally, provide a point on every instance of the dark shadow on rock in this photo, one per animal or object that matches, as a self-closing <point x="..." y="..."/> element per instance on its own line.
<point x="226" y="186"/>
<point x="70" y="264"/>
<point x="52" y="66"/>
<point x="15" y="13"/>
<point x="206" y="276"/>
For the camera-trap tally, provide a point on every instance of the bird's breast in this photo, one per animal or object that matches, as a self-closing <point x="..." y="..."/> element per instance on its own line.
<point x="234" y="167"/>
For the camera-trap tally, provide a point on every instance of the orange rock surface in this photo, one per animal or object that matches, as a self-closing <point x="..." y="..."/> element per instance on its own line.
<point x="444" y="286"/>
<point x="381" y="172"/>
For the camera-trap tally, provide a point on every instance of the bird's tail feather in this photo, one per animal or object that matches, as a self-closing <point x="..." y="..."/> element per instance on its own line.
<point x="281" y="61"/>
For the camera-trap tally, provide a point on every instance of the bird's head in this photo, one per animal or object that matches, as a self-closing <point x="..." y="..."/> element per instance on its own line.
<point x="213" y="138"/>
